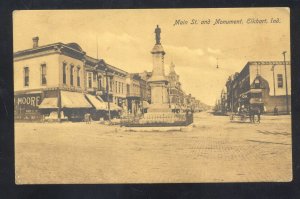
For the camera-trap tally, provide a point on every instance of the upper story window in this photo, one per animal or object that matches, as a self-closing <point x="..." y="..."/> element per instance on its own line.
<point x="26" y="76"/>
<point x="90" y="80"/>
<point x="279" y="81"/>
<point x="99" y="82"/>
<point x="44" y="74"/>
<point x="110" y="84"/>
<point x="78" y="76"/>
<point x="128" y="88"/>
<point x="64" y="73"/>
<point x="119" y="87"/>
<point x="71" y="75"/>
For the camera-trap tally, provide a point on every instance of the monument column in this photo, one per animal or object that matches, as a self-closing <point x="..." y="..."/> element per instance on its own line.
<point x="158" y="81"/>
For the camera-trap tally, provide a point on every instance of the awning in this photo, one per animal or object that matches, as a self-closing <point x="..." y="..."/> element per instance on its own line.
<point x="49" y="103"/>
<point x="145" y="104"/>
<point x="256" y="101"/>
<point x="255" y="90"/>
<point x="113" y="107"/>
<point x="99" y="105"/>
<point x="74" y="100"/>
<point x="252" y="90"/>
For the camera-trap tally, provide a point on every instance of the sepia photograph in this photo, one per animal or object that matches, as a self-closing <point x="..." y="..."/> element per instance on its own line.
<point x="117" y="96"/>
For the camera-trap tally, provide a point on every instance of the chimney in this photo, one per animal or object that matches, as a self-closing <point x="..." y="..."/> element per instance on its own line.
<point x="35" y="42"/>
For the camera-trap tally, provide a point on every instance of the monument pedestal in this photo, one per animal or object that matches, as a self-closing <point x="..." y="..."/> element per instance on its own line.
<point x="159" y="112"/>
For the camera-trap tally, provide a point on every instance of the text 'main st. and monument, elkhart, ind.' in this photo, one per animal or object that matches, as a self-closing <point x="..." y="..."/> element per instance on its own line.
<point x="219" y="21"/>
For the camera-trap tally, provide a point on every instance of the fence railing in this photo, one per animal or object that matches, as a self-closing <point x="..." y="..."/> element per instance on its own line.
<point x="157" y="120"/>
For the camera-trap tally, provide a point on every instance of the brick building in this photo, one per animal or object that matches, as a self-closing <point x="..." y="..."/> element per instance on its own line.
<point x="261" y="82"/>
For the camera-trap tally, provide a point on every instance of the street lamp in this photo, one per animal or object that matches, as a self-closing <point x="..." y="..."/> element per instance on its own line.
<point x="286" y="86"/>
<point x="107" y="95"/>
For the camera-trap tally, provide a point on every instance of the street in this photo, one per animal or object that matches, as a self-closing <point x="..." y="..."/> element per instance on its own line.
<point x="215" y="150"/>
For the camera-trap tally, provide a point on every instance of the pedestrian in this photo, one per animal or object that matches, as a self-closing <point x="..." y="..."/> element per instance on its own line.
<point x="251" y="114"/>
<point x="258" y="112"/>
<point x="87" y="118"/>
<point x="275" y="110"/>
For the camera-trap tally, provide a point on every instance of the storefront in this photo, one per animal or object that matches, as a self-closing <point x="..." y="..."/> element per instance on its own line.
<point x="26" y="106"/>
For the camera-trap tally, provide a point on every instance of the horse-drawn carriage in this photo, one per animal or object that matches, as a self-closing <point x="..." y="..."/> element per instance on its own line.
<point x="250" y="109"/>
<point x="245" y="115"/>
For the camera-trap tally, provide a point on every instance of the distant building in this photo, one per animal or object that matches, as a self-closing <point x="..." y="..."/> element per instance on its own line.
<point x="176" y="94"/>
<point x="133" y="93"/>
<point x="261" y="82"/>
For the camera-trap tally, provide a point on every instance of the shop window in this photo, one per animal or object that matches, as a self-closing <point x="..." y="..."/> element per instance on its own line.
<point x="279" y="81"/>
<point x="43" y="74"/>
<point x="26" y="76"/>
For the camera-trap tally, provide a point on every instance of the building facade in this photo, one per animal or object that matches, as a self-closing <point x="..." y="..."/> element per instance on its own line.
<point x="51" y="76"/>
<point x="261" y="82"/>
<point x="175" y="91"/>
<point x="60" y="81"/>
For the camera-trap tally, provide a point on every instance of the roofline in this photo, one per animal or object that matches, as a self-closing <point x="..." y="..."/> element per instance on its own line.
<point x="38" y="48"/>
<point x="53" y="45"/>
<point x="116" y="69"/>
<point x="268" y="62"/>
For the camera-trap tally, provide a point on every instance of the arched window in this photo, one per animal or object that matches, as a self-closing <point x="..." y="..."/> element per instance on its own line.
<point x="71" y="75"/>
<point x="78" y="76"/>
<point x="256" y="83"/>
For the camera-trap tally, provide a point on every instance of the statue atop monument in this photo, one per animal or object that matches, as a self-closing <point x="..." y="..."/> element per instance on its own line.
<point x="157" y="34"/>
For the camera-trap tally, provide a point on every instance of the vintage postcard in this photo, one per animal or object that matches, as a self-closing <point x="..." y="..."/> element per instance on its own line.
<point x="152" y="96"/>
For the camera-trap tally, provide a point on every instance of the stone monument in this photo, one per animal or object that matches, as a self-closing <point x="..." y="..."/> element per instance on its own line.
<point x="158" y="81"/>
<point x="159" y="112"/>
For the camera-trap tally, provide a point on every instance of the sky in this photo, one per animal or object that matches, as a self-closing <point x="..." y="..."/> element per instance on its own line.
<point x="125" y="39"/>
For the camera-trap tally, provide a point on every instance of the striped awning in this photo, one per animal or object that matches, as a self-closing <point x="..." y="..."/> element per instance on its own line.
<point x="74" y="100"/>
<point x="113" y="106"/>
<point x="99" y="105"/>
<point x="49" y="103"/>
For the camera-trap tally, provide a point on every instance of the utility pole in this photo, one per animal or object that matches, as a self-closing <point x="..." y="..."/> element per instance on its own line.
<point x="107" y="96"/>
<point x="97" y="48"/>
<point x="286" y="86"/>
<point x="273" y="69"/>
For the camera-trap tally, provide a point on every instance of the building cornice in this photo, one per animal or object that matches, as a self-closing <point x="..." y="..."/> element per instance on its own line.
<point x="49" y="49"/>
<point x="268" y="63"/>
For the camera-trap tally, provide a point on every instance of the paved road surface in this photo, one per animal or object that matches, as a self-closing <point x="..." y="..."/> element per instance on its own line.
<point x="216" y="150"/>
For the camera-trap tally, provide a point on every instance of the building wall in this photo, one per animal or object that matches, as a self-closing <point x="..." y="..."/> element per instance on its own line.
<point x="76" y="63"/>
<point x="34" y="64"/>
<point x="266" y="72"/>
<point x="245" y="78"/>
<point x="119" y="86"/>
